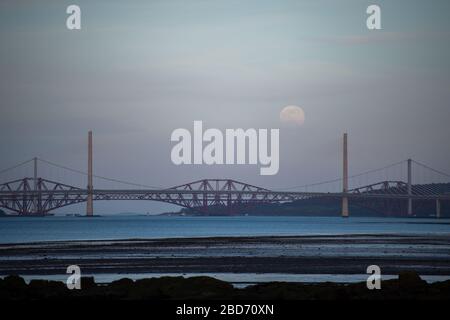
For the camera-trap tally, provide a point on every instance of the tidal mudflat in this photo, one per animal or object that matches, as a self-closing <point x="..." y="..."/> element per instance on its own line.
<point x="336" y="254"/>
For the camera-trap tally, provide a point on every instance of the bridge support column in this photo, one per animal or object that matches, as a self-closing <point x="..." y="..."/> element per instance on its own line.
<point x="89" y="204"/>
<point x="438" y="208"/>
<point x="344" y="211"/>
<point x="344" y="207"/>
<point x="409" y="190"/>
<point x="35" y="188"/>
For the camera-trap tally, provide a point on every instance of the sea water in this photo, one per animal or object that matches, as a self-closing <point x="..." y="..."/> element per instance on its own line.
<point x="55" y="228"/>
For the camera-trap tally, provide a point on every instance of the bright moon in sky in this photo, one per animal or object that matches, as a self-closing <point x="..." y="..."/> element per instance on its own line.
<point x="293" y="115"/>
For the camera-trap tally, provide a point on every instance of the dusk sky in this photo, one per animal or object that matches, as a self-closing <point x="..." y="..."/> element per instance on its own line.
<point x="137" y="70"/>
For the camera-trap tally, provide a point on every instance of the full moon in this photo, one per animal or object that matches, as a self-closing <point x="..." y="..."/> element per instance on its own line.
<point x="292" y="115"/>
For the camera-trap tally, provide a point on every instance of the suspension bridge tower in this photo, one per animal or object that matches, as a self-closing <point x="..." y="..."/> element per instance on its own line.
<point x="409" y="188"/>
<point x="344" y="212"/>
<point x="89" y="204"/>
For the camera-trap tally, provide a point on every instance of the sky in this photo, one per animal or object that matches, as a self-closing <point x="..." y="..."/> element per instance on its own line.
<point x="137" y="70"/>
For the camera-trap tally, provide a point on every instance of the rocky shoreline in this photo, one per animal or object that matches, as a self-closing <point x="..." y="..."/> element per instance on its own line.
<point x="408" y="286"/>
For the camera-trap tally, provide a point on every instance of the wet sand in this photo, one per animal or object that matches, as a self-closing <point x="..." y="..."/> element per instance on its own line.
<point x="349" y="254"/>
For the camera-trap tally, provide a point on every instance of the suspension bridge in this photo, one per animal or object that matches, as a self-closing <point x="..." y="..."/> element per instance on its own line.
<point x="36" y="195"/>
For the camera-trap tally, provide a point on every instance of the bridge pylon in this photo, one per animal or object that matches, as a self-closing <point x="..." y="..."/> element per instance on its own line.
<point x="37" y="207"/>
<point x="344" y="211"/>
<point x="409" y="188"/>
<point x="89" y="202"/>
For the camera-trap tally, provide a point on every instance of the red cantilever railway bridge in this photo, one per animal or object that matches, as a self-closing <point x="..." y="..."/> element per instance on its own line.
<point x="26" y="197"/>
<point x="39" y="196"/>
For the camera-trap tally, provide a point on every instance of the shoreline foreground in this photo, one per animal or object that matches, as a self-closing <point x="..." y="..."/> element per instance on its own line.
<point x="409" y="256"/>
<point x="408" y="286"/>
<point x="332" y="254"/>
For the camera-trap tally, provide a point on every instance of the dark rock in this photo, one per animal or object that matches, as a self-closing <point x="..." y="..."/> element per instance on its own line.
<point x="14" y="282"/>
<point x="42" y="289"/>
<point x="410" y="280"/>
<point x="408" y="286"/>
<point x="124" y="283"/>
<point x="87" y="283"/>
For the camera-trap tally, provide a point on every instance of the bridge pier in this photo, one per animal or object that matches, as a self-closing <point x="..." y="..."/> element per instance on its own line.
<point x="438" y="208"/>
<point x="344" y="208"/>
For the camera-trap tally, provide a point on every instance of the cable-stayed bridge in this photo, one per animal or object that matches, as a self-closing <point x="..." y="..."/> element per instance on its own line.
<point x="35" y="195"/>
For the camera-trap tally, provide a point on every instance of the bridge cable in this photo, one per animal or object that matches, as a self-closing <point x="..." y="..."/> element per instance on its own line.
<point x="98" y="177"/>
<point x="340" y="179"/>
<point x="429" y="168"/>
<point x="16" y="166"/>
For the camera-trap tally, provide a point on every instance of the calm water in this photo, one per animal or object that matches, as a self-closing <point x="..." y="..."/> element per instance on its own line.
<point x="21" y="229"/>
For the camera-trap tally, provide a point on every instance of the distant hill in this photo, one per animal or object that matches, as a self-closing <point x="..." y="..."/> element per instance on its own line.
<point x="330" y="207"/>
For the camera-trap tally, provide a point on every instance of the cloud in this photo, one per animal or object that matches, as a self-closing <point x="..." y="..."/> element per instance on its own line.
<point x="377" y="37"/>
